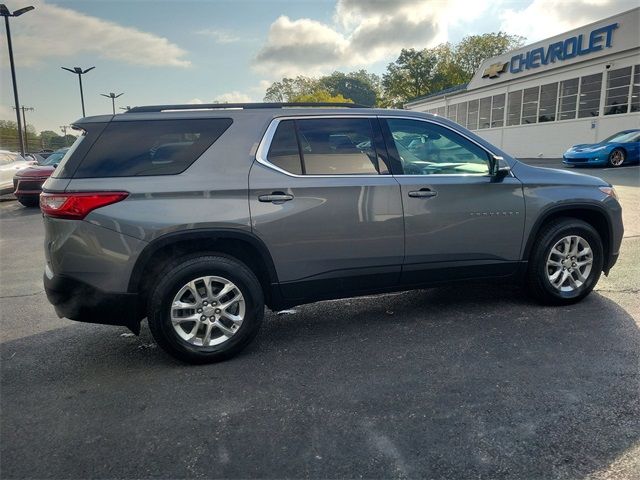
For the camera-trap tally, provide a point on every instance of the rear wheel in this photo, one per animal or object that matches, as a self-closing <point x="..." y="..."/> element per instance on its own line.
<point x="616" y="157"/>
<point x="29" y="200"/>
<point x="206" y="309"/>
<point x="565" y="263"/>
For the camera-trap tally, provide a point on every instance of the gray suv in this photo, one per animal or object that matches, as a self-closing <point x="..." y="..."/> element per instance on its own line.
<point x="196" y="217"/>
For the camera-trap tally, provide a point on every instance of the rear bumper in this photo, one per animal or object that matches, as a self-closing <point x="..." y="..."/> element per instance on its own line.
<point x="79" y="301"/>
<point x="28" y="186"/>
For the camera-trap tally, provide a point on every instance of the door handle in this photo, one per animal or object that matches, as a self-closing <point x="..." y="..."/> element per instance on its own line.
<point x="275" y="197"/>
<point x="423" y="193"/>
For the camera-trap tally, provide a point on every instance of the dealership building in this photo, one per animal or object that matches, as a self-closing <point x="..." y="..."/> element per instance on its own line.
<point x="578" y="87"/>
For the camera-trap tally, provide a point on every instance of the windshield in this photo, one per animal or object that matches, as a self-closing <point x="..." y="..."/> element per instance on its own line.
<point x="623" y="137"/>
<point x="54" y="158"/>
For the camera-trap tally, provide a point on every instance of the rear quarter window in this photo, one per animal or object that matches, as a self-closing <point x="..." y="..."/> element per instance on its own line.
<point x="150" y="147"/>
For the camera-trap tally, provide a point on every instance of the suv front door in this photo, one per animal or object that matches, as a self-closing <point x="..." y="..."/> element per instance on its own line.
<point x="459" y="221"/>
<point x="324" y="203"/>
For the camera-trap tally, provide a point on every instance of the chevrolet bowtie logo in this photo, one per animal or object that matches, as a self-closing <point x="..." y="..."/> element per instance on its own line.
<point x="493" y="71"/>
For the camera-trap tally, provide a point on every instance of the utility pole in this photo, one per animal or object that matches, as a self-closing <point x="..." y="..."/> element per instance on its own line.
<point x="64" y="128"/>
<point x="78" y="71"/>
<point x="4" y="12"/>
<point x="24" y="122"/>
<point x="113" y="97"/>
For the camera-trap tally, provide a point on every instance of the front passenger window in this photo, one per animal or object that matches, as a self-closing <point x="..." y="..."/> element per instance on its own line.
<point x="426" y="148"/>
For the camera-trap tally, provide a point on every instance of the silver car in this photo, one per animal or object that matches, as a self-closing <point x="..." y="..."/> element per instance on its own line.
<point x="197" y="216"/>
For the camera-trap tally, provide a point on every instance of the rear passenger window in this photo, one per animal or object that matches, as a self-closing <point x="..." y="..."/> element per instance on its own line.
<point x="150" y="147"/>
<point x="284" y="152"/>
<point x="328" y="146"/>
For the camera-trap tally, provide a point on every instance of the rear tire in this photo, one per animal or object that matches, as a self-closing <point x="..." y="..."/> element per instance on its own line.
<point x="566" y="262"/>
<point x="616" y="157"/>
<point x="199" y="282"/>
<point x="29" y="200"/>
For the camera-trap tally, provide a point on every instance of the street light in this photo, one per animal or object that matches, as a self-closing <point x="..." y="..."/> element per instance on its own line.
<point x="113" y="97"/>
<point x="78" y="71"/>
<point x="4" y="12"/>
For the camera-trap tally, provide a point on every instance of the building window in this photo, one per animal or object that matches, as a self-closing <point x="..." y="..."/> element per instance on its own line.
<point x="497" y="111"/>
<point x="590" y="87"/>
<point x="462" y="114"/>
<point x="452" y="112"/>
<point x="514" y="108"/>
<point x="635" y="90"/>
<point x="485" y="113"/>
<point x="530" y="98"/>
<point x="617" y="100"/>
<point x="568" y="99"/>
<point x="472" y="115"/>
<point x="548" y="102"/>
<point x="440" y="111"/>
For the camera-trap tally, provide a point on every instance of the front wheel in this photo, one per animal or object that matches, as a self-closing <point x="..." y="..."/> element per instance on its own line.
<point x="206" y="309"/>
<point x="565" y="263"/>
<point x="616" y="157"/>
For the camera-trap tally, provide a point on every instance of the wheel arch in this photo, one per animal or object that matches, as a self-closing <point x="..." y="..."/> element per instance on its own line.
<point x="242" y="245"/>
<point x="593" y="214"/>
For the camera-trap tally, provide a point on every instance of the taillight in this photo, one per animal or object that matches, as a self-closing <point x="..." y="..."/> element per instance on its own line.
<point x="76" y="206"/>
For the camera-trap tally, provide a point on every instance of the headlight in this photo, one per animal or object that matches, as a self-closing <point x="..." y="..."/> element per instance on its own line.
<point x="609" y="191"/>
<point x="597" y="149"/>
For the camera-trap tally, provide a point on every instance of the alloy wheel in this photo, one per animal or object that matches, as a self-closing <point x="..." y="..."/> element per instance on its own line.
<point x="569" y="263"/>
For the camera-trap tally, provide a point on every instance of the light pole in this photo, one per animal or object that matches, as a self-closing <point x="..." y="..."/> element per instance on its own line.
<point x="78" y="71"/>
<point x="113" y="97"/>
<point x="4" y="12"/>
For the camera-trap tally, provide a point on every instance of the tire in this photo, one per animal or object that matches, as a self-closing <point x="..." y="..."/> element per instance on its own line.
<point x="29" y="200"/>
<point x="540" y="273"/>
<point x="211" y="269"/>
<point x="616" y="157"/>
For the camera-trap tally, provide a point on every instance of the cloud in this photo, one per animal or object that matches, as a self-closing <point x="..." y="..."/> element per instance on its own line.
<point x="233" y="97"/>
<point x="219" y="36"/>
<point x="53" y="31"/>
<point x="546" y="18"/>
<point x="363" y="32"/>
<point x="195" y="101"/>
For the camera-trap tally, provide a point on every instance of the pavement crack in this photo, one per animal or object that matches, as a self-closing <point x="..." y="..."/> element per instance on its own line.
<point x="24" y="295"/>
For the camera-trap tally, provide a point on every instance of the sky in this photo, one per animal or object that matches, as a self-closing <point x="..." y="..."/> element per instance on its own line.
<point x="163" y="52"/>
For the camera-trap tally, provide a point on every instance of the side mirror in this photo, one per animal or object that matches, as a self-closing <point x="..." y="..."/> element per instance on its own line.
<point x="499" y="168"/>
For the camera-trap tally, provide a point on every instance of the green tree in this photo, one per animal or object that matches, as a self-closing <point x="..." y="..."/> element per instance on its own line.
<point x="289" y="88"/>
<point x="410" y="76"/>
<point x="474" y="49"/>
<point x="321" y="96"/>
<point x="361" y="87"/>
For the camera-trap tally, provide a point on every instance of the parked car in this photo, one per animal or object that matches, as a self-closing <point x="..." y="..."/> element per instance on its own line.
<point x="10" y="163"/>
<point x="197" y="219"/>
<point x="27" y="183"/>
<point x="619" y="149"/>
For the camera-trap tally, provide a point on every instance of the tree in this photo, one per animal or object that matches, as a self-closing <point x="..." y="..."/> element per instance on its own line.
<point x="321" y="96"/>
<point x="474" y="49"/>
<point x="289" y="88"/>
<point x="410" y="76"/>
<point x="361" y="87"/>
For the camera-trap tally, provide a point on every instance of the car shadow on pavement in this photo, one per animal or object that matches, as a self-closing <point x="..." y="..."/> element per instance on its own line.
<point x="454" y="382"/>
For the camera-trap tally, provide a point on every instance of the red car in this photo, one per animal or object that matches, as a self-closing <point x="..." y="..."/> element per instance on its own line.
<point x="28" y="181"/>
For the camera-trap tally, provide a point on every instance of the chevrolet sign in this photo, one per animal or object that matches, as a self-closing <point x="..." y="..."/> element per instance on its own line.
<point x="493" y="71"/>
<point x="571" y="47"/>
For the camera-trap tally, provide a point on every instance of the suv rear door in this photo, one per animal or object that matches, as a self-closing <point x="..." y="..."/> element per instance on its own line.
<point x="323" y="200"/>
<point x="459" y="222"/>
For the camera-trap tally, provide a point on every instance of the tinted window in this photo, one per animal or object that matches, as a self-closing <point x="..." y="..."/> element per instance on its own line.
<point x="514" y="108"/>
<point x="156" y="147"/>
<point x="530" y="97"/>
<point x="635" y="91"/>
<point x="428" y="149"/>
<point x="589" y="104"/>
<point x="284" y="152"/>
<point x="497" y="110"/>
<point x="548" y="101"/>
<point x="337" y="146"/>
<point x="485" y="113"/>
<point x="472" y="115"/>
<point x="568" y="99"/>
<point x="617" y="99"/>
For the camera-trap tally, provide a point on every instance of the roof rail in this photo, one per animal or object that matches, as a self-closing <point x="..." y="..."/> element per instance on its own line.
<point x="244" y="106"/>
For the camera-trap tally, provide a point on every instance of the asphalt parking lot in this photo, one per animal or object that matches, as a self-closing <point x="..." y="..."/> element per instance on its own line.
<point x="455" y="382"/>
